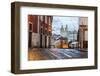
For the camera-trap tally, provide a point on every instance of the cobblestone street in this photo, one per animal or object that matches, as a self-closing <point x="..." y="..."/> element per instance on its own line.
<point x="50" y="54"/>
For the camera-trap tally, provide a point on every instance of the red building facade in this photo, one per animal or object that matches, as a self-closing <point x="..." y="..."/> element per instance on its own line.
<point x="40" y="31"/>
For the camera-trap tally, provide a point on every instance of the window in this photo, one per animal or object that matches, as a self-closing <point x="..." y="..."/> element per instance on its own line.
<point x="45" y="19"/>
<point x="41" y="18"/>
<point x="49" y="20"/>
<point x="30" y="27"/>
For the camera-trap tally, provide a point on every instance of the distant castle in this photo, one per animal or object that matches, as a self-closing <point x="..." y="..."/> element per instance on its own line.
<point x="64" y="31"/>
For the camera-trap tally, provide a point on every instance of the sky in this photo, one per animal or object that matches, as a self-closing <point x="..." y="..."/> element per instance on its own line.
<point x="71" y="22"/>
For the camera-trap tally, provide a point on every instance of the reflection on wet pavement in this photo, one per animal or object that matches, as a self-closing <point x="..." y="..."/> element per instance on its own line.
<point x="50" y="54"/>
